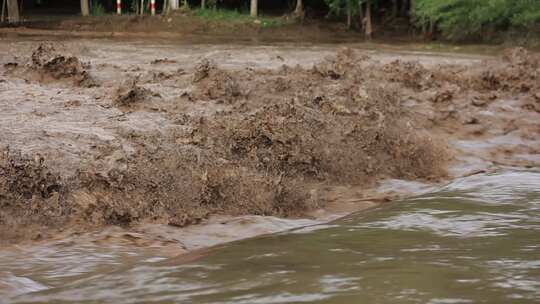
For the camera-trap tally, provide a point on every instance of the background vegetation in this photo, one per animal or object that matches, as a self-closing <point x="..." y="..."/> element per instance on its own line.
<point x="454" y="19"/>
<point x="460" y="19"/>
<point x="450" y="19"/>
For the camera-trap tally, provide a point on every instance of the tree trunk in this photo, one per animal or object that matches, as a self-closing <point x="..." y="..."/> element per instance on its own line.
<point x="349" y="15"/>
<point x="85" y="8"/>
<point x="299" y="11"/>
<point x="394" y="9"/>
<point x="166" y="10"/>
<point x="432" y="24"/>
<point x="369" y="25"/>
<point x="412" y="17"/>
<point x="3" y="11"/>
<point x="361" y="13"/>
<point x="13" y="11"/>
<point x="203" y="4"/>
<point x="254" y="11"/>
<point x="404" y="7"/>
<point x="412" y="10"/>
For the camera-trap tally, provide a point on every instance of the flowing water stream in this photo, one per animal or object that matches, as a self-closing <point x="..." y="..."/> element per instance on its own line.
<point x="476" y="240"/>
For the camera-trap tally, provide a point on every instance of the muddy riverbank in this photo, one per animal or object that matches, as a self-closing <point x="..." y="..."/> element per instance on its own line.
<point x="181" y="27"/>
<point x="101" y="134"/>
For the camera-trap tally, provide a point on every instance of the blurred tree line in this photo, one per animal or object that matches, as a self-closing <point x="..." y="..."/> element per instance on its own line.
<point x="453" y="19"/>
<point x="458" y="19"/>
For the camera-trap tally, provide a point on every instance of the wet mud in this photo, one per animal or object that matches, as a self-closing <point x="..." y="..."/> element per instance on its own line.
<point x="89" y="142"/>
<point x="47" y="64"/>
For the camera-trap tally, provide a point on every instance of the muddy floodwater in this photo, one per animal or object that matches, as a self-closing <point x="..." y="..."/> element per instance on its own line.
<point x="161" y="172"/>
<point x="474" y="240"/>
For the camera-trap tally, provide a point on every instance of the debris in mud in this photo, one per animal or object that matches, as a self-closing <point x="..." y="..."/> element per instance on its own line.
<point x="186" y="218"/>
<point x="281" y="84"/>
<point x="50" y="64"/>
<point x="163" y="61"/>
<point x="521" y="57"/>
<point x="410" y="73"/>
<point x="30" y="194"/>
<point x="72" y="103"/>
<point x="443" y="95"/>
<point x="9" y="66"/>
<point x="533" y="104"/>
<point x="159" y="76"/>
<point x="336" y="67"/>
<point x="24" y="177"/>
<point x="180" y="72"/>
<point x="518" y="73"/>
<point x="202" y="70"/>
<point x="294" y="140"/>
<point x="479" y="102"/>
<point x="470" y="120"/>
<point x="130" y="93"/>
<point x="348" y="120"/>
<point x="214" y="83"/>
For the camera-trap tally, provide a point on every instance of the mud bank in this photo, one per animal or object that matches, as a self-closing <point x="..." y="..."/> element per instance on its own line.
<point x="181" y="26"/>
<point x="92" y="141"/>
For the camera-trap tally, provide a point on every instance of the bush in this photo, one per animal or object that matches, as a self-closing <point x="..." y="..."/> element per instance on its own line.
<point x="460" y="19"/>
<point x="97" y="9"/>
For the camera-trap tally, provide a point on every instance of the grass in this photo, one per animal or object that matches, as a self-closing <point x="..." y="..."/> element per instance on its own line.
<point x="235" y="16"/>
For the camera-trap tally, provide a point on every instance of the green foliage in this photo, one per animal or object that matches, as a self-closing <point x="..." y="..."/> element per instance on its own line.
<point x="458" y="19"/>
<point x="97" y="9"/>
<point x="221" y="15"/>
<point x="527" y="13"/>
<point x="211" y="3"/>
<point x="134" y="6"/>
<point x="339" y="7"/>
<point x="235" y="16"/>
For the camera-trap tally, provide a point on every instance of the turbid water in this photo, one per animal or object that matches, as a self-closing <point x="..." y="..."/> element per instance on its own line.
<point x="476" y="240"/>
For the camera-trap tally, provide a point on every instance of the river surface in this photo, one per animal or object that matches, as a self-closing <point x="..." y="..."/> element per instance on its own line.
<point x="476" y="240"/>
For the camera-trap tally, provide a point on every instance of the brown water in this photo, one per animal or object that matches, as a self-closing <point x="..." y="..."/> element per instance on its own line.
<point x="476" y="240"/>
